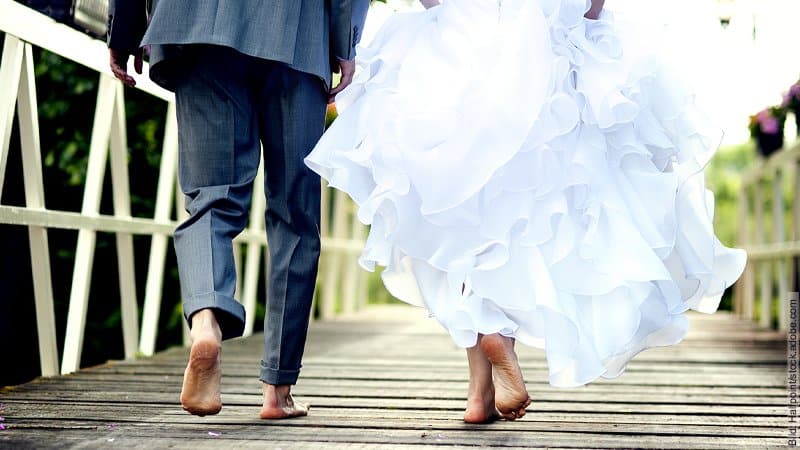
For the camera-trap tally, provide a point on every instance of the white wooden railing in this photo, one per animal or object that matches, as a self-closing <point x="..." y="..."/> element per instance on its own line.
<point x="772" y="255"/>
<point x="341" y="285"/>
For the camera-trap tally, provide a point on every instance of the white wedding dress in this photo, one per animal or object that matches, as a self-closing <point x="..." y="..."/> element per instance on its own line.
<point x="531" y="172"/>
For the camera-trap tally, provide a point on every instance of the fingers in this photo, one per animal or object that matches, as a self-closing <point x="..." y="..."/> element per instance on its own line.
<point x="348" y="69"/>
<point x="343" y="83"/>
<point x="119" y="67"/>
<point x="137" y="62"/>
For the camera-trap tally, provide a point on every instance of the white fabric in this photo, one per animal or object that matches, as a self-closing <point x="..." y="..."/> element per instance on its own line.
<point x="545" y="161"/>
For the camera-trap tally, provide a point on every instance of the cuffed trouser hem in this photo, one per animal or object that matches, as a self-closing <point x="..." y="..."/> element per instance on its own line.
<point x="278" y="376"/>
<point x="229" y="312"/>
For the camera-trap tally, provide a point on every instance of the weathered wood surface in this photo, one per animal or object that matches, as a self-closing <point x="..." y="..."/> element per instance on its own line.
<point x="391" y="378"/>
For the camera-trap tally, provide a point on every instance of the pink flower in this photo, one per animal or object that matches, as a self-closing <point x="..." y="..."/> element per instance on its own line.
<point x="769" y="125"/>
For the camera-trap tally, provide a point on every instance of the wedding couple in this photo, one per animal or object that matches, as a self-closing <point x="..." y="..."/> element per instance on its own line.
<point x="530" y="172"/>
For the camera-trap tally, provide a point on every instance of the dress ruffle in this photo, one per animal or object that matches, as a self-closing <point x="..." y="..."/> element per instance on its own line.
<point x="531" y="172"/>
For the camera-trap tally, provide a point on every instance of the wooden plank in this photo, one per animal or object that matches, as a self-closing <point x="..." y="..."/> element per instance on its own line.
<point x="420" y="391"/>
<point x="214" y="442"/>
<point x="732" y="378"/>
<point x="669" y="362"/>
<point x="453" y="423"/>
<point x="125" y="412"/>
<point x="345" y="402"/>
<point x="382" y="380"/>
<point x="466" y="436"/>
<point x="134" y="383"/>
<point x="354" y="385"/>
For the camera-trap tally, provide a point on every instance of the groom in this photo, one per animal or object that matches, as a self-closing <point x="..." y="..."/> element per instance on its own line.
<point x="246" y="74"/>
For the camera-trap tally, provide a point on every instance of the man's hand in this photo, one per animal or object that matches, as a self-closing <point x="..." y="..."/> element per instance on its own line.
<point x="119" y="65"/>
<point x="347" y="68"/>
<point x="594" y="10"/>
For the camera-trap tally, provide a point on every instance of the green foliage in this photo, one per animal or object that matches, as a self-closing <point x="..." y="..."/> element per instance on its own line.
<point x="66" y="93"/>
<point x="330" y="115"/>
<point x="376" y="292"/>
<point x="723" y="177"/>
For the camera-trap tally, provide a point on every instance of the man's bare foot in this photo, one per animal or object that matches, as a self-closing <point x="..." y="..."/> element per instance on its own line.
<point x="203" y="376"/>
<point x="511" y="396"/>
<point x="279" y="404"/>
<point x="480" y="399"/>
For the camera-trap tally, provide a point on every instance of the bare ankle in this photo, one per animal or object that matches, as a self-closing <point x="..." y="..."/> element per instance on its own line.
<point x="205" y="322"/>
<point x="276" y="391"/>
<point x="279" y="404"/>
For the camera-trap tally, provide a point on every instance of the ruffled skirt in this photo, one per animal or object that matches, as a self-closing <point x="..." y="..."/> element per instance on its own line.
<point x="530" y="172"/>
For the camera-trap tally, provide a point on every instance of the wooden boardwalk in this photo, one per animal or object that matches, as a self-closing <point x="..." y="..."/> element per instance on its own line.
<point x="390" y="378"/>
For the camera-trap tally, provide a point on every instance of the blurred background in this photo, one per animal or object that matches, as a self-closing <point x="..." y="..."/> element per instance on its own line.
<point x="742" y="55"/>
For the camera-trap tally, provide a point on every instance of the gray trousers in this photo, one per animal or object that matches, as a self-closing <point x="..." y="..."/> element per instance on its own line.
<point x="228" y="105"/>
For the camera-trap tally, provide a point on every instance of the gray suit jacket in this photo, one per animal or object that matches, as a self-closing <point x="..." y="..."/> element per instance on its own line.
<point x="308" y="35"/>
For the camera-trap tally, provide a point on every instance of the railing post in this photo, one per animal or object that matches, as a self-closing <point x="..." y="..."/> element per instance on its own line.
<point x="10" y="71"/>
<point x="236" y="247"/>
<point x="34" y="198"/>
<point x="84" y="254"/>
<point x="122" y="208"/>
<point x="158" y="246"/>
<point x="254" y="249"/>
<point x="779" y="236"/>
<point x="740" y="291"/>
<point x="351" y="301"/>
<point x="330" y="287"/>
<point x="765" y="318"/>
<point x="749" y="279"/>
<point x="795" y="222"/>
<point x="324" y="231"/>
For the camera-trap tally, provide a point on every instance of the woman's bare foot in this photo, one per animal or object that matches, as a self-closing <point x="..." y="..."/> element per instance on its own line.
<point x="511" y="396"/>
<point x="200" y="394"/>
<point x="480" y="399"/>
<point x="279" y="404"/>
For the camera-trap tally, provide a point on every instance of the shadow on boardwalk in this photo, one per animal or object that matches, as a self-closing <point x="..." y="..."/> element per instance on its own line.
<point x="389" y="377"/>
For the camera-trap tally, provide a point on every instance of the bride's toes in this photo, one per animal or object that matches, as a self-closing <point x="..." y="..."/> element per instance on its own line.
<point x="509" y="415"/>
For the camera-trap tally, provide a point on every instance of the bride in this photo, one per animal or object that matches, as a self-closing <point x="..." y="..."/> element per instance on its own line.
<point x="532" y="171"/>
